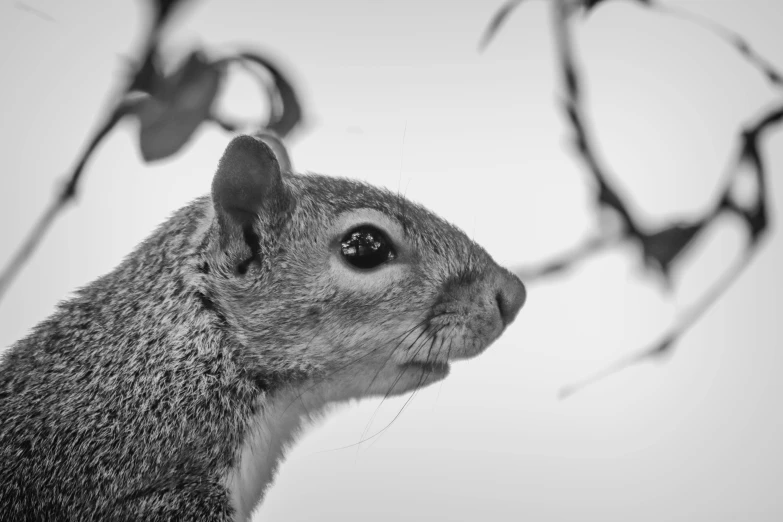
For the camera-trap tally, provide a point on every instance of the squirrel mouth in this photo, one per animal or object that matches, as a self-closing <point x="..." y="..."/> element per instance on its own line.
<point x="439" y="368"/>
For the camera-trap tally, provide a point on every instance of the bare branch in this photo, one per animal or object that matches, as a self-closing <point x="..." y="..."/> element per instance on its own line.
<point x="665" y="343"/>
<point x="565" y="261"/>
<point x="23" y="6"/>
<point x="61" y="200"/>
<point x="501" y="15"/>
<point x="730" y="37"/>
<point x="122" y="107"/>
<point x="660" y="247"/>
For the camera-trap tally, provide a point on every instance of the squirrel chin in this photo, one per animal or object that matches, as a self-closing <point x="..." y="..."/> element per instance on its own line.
<point x="398" y="379"/>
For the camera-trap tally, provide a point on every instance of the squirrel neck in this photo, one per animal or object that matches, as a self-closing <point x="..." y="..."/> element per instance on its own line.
<point x="156" y="317"/>
<point x="271" y="405"/>
<point x="280" y="418"/>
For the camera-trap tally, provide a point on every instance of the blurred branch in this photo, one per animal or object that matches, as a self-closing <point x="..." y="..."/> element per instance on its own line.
<point x="66" y="195"/>
<point x="170" y="107"/>
<point x="662" y="247"/>
<point x="757" y="227"/>
<point x="70" y="187"/>
<point x="23" y="6"/>
<point x="497" y="21"/>
<point x="732" y="38"/>
<point x="665" y="342"/>
<point x="563" y="262"/>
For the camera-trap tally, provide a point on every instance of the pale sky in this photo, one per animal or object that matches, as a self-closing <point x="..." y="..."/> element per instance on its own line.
<point x="694" y="438"/>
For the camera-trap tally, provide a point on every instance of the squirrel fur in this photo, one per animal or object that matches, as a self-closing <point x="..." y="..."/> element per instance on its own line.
<point x="169" y="388"/>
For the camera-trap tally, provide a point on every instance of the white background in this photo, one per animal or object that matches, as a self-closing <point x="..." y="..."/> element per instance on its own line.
<point x="695" y="438"/>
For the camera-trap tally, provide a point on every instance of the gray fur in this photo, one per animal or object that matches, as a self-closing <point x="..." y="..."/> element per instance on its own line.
<point x="130" y="402"/>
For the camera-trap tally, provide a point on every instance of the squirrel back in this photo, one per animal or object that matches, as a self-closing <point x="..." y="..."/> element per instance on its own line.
<point x="168" y="388"/>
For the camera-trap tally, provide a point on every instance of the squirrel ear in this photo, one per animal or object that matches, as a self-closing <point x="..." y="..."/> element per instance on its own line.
<point x="248" y="182"/>
<point x="278" y="147"/>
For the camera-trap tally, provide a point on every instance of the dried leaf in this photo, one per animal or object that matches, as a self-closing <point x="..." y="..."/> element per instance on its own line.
<point x="285" y="110"/>
<point x="177" y="106"/>
<point x="149" y="75"/>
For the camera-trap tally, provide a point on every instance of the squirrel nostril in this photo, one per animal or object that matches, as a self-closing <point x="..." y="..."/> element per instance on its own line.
<point x="501" y="306"/>
<point x="510" y="297"/>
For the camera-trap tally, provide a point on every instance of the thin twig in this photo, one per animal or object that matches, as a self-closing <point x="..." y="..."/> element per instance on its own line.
<point x="732" y="38"/>
<point x="755" y="218"/>
<point x="665" y="342"/>
<point x="23" y="6"/>
<point x="58" y="204"/>
<point x="123" y="106"/>
<point x="564" y="261"/>
<point x="501" y="15"/>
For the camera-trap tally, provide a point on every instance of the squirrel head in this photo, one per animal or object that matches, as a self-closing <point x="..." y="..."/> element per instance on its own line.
<point x="340" y="282"/>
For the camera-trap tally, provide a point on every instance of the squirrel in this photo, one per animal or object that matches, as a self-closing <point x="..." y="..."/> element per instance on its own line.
<point x="170" y="388"/>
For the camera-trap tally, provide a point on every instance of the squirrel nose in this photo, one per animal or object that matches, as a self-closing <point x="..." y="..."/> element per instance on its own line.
<point x="510" y="296"/>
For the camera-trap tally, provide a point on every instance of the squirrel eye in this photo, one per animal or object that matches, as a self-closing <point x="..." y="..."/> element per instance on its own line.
<point x="366" y="247"/>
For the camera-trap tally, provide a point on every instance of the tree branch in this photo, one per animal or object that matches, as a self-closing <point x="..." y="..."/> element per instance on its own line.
<point x="140" y="80"/>
<point x="660" y="247"/>
<point x="58" y="204"/>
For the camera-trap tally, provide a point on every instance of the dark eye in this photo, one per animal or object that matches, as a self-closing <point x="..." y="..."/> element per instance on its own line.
<point x="366" y="247"/>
